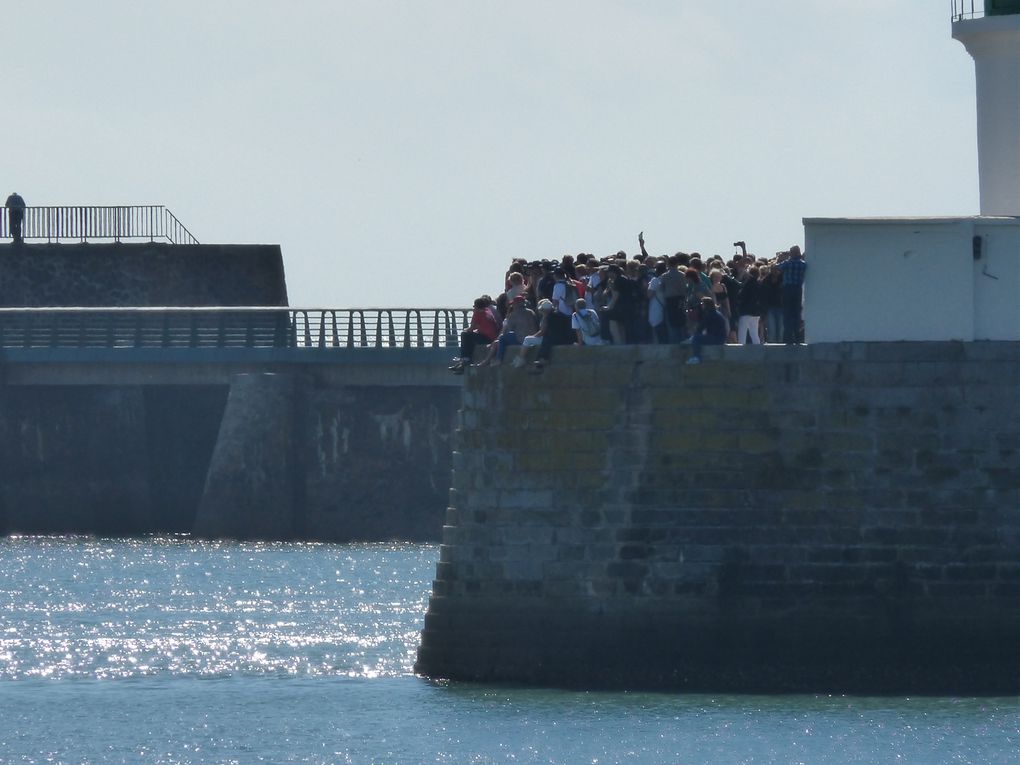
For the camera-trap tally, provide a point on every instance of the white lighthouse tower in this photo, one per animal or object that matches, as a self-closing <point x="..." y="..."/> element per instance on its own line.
<point x="979" y="256"/>
<point x="993" y="40"/>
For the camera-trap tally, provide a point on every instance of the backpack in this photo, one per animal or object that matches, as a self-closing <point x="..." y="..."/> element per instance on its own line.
<point x="570" y="294"/>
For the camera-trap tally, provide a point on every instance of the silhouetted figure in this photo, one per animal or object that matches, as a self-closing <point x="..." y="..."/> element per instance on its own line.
<point x="16" y="216"/>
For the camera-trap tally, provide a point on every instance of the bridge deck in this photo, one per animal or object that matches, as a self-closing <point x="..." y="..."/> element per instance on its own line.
<point x="214" y="366"/>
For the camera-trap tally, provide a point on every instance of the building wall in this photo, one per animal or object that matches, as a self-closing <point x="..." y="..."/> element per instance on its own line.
<point x="912" y="279"/>
<point x="831" y="517"/>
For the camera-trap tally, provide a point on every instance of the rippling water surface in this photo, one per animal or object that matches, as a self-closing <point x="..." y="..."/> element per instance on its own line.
<point x="173" y="651"/>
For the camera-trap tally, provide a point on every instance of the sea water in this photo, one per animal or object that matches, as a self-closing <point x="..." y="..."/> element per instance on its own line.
<point x="176" y="651"/>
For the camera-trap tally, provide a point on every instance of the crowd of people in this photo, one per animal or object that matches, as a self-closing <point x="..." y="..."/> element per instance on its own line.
<point x="681" y="298"/>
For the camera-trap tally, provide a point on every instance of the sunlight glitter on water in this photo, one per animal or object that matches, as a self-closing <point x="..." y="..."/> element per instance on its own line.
<point x="75" y="607"/>
<point x="170" y="651"/>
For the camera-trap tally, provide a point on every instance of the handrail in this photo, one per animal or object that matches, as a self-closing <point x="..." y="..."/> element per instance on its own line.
<point x="89" y="223"/>
<point x="231" y="327"/>
<point x="963" y="10"/>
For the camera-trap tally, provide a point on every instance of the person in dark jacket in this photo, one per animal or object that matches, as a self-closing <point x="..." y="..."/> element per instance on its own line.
<point x="711" y="329"/>
<point x="771" y="291"/>
<point x="16" y="216"/>
<point x="749" y="309"/>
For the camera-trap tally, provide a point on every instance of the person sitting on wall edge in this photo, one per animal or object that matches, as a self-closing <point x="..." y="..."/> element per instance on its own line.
<point x="711" y="329"/>
<point x="485" y="326"/>
<point x="558" y="331"/>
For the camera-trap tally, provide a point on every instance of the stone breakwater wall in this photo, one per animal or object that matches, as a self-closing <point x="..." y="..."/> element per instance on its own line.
<point x="837" y="517"/>
<point x="141" y="274"/>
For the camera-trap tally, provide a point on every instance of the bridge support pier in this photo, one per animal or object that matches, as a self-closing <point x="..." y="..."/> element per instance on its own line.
<point x="251" y="490"/>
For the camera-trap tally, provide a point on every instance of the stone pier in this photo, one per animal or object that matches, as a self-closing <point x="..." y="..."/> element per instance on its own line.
<point x="837" y="517"/>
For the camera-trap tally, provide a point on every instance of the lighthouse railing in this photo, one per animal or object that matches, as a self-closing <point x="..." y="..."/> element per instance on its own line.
<point x="968" y="9"/>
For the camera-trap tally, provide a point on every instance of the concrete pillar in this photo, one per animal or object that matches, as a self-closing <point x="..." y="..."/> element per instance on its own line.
<point x="251" y="491"/>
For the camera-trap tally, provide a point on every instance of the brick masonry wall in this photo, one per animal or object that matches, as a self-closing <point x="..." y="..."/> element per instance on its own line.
<point x="831" y="517"/>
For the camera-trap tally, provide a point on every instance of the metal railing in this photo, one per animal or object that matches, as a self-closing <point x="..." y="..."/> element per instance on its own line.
<point x="100" y="223"/>
<point x="968" y="9"/>
<point x="231" y="327"/>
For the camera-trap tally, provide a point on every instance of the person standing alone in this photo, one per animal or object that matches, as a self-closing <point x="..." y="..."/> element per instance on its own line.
<point x="16" y="216"/>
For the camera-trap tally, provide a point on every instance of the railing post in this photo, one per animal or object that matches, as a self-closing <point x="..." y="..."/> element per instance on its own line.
<point x="363" y="343"/>
<point x="54" y="332"/>
<point x="221" y="330"/>
<point x="420" y="339"/>
<point x="391" y="334"/>
<point x="308" y="330"/>
<point x="435" y="330"/>
<point x="249" y="330"/>
<point x="336" y="332"/>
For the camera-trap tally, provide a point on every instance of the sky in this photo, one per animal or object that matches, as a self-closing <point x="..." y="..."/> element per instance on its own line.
<point x="402" y="153"/>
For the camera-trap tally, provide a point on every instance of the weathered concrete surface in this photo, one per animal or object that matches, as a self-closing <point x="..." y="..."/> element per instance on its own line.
<point x="250" y="489"/>
<point x="294" y="461"/>
<point x="362" y="461"/>
<point x="377" y="462"/>
<point x="149" y="274"/>
<point x="71" y="461"/>
<point x="182" y="424"/>
<point x="841" y="517"/>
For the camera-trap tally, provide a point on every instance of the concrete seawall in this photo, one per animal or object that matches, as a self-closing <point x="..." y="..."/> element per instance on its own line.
<point x="148" y="274"/>
<point x="337" y="449"/>
<point x="835" y="517"/>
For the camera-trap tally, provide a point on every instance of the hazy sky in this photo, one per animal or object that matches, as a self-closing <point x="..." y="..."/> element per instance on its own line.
<point x="403" y="152"/>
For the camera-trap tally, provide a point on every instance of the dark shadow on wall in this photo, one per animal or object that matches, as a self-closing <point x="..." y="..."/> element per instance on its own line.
<point x="72" y="460"/>
<point x="182" y="423"/>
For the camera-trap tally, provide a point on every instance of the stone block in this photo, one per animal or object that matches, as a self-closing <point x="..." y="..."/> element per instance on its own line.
<point x="758" y="442"/>
<point x="990" y="353"/>
<point x="510" y="499"/>
<point x="847" y="442"/>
